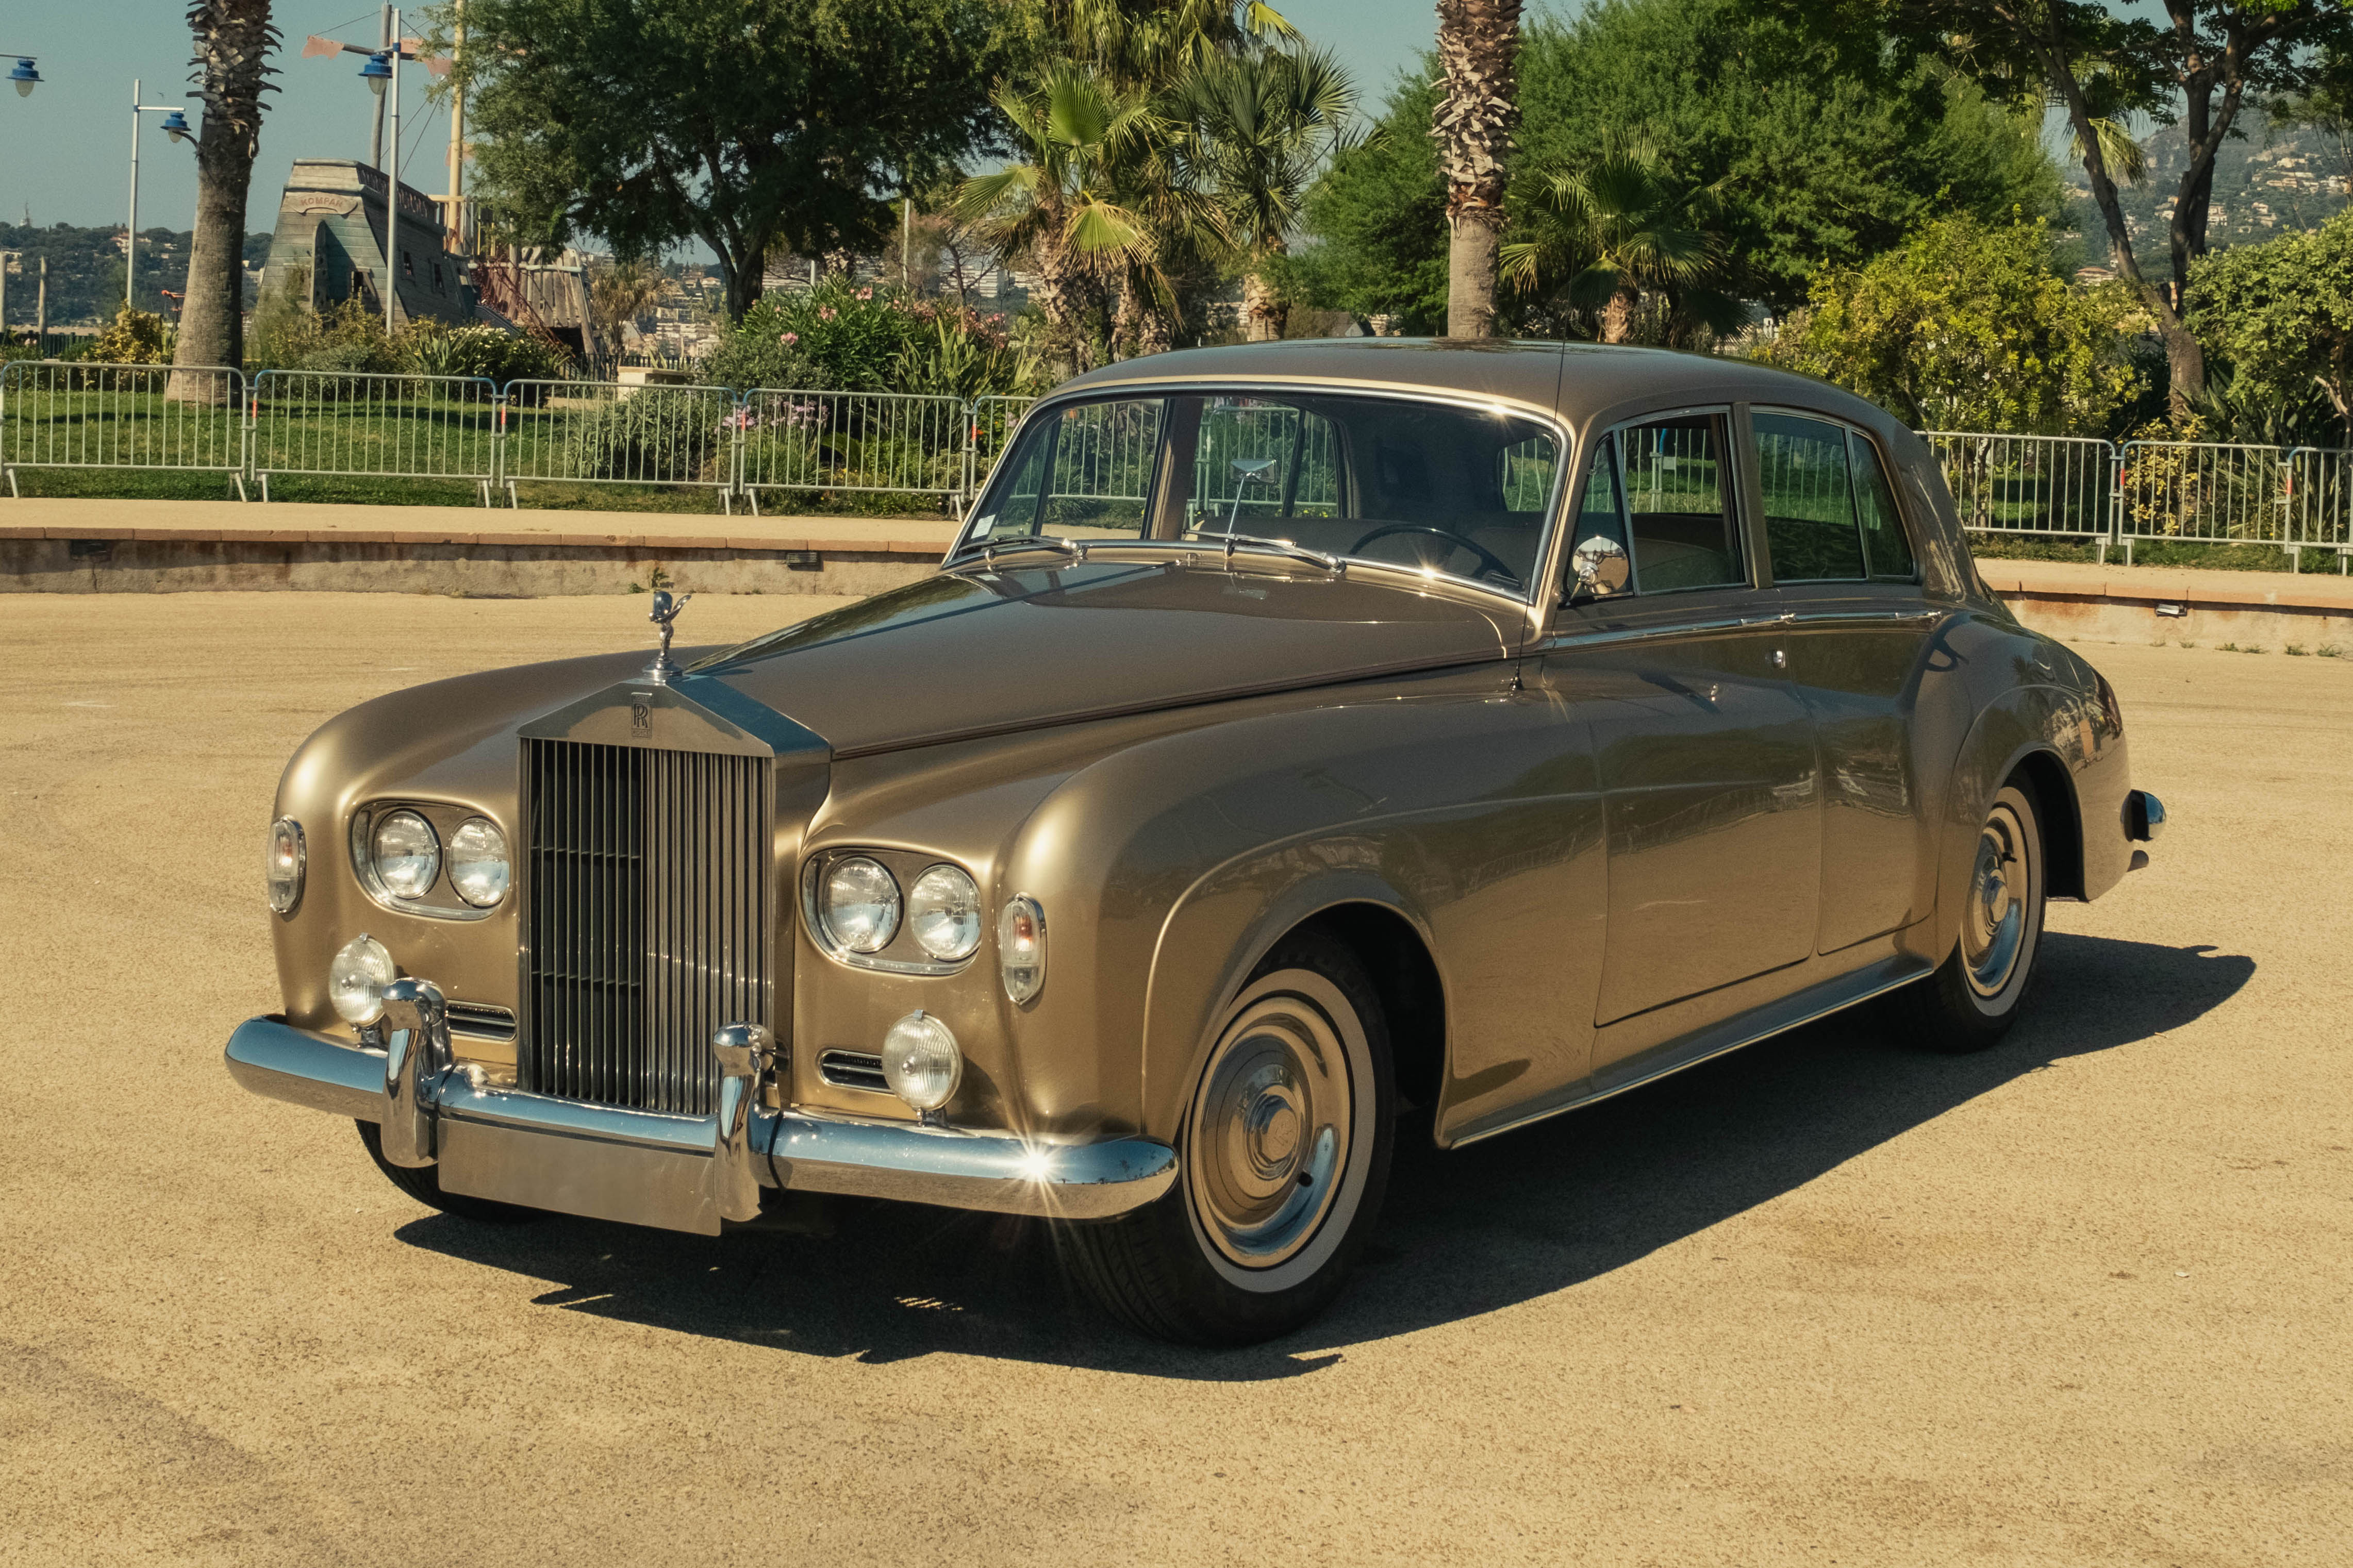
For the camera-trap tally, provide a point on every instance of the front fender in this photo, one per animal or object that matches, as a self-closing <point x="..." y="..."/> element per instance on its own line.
<point x="1169" y="867"/>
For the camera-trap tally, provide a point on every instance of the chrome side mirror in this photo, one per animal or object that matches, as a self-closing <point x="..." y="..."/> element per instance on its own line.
<point x="1600" y="567"/>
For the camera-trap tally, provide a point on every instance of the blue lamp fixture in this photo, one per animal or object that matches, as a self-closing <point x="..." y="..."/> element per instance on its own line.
<point x="377" y="71"/>
<point x="25" y="78"/>
<point x="176" y="123"/>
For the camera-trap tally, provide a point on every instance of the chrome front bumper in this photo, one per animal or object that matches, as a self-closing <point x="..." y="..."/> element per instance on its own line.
<point x="679" y="1173"/>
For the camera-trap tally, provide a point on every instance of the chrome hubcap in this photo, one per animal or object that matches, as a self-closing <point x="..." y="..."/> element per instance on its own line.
<point x="1269" y="1133"/>
<point x="1993" y="926"/>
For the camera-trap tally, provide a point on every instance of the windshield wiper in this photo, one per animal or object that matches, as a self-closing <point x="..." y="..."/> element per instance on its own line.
<point x="1075" y="549"/>
<point x="1332" y="564"/>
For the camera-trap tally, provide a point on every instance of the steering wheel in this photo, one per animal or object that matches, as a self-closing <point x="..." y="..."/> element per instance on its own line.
<point x="1494" y="563"/>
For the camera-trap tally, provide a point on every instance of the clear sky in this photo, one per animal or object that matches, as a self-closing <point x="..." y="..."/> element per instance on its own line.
<point x="64" y="152"/>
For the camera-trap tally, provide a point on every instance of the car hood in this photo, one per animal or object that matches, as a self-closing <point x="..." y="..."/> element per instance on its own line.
<point x="976" y="652"/>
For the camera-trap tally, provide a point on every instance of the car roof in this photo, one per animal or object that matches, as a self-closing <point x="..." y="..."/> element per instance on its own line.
<point x="1577" y="381"/>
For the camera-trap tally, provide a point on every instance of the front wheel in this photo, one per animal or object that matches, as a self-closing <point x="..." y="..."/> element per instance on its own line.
<point x="1285" y="1159"/>
<point x="1974" y="996"/>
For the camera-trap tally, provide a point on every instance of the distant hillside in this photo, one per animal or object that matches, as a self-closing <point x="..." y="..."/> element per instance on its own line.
<point x="86" y="271"/>
<point x="2266" y="182"/>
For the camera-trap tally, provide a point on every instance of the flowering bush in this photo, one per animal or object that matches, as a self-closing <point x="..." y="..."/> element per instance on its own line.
<point x="835" y="336"/>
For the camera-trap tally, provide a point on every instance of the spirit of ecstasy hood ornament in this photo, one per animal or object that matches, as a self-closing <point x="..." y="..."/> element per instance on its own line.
<point x="665" y="612"/>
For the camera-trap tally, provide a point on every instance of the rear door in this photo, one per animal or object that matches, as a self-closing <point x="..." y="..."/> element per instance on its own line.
<point x="1706" y="750"/>
<point x="1845" y="573"/>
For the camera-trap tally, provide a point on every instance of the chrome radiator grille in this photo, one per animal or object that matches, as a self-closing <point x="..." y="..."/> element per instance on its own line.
<point x="646" y="919"/>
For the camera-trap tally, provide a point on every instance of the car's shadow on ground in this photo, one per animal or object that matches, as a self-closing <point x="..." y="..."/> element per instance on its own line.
<point x="1465" y="1233"/>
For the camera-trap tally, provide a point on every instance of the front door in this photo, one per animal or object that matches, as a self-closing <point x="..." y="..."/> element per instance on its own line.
<point x="1705" y="752"/>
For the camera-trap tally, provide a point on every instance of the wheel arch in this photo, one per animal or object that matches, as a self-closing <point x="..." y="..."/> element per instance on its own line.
<point x="1375" y="919"/>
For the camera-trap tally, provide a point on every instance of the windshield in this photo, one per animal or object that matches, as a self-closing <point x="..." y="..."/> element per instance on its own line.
<point x="1431" y="486"/>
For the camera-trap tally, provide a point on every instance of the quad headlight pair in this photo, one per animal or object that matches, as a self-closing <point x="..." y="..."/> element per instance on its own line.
<point x="860" y="911"/>
<point x="406" y="853"/>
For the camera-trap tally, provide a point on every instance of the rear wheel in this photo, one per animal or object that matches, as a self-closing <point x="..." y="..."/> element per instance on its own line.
<point x="1974" y="996"/>
<point x="422" y="1183"/>
<point x="1283" y="1161"/>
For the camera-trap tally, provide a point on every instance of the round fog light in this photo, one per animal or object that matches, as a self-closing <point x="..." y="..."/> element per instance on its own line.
<point x="921" y="1062"/>
<point x="357" y="979"/>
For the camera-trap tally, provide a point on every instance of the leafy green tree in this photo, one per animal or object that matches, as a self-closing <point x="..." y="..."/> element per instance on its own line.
<point x="2196" y="63"/>
<point x="1967" y="327"/>
<point x="2280" y="315"/>
<point x="747" y="124"/>
<point x="1605" y="232"/>
<point x="1377" y="221"/>
<point x="1820" y="164"/>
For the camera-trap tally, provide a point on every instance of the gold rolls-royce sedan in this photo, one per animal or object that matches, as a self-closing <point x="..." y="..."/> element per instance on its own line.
<point x="1297" y="736"/>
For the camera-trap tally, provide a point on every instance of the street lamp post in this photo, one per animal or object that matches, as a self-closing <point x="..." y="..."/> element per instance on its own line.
<point x="175" y="122"/>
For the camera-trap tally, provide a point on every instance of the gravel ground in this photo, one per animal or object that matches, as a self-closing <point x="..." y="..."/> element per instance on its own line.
<point x="2082" y="1299"/>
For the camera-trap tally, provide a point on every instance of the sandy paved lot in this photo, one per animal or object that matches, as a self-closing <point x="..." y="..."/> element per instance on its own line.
<point x="2080" y="1301"/>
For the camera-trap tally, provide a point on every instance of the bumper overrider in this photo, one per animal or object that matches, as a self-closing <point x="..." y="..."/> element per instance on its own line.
<point x="679" y="1173"/>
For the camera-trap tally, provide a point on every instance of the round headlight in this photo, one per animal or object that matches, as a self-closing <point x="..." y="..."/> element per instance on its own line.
<point x="407" y="854"/>
<point x="1021" y="947"/>
<point x="943" y="912"/>
<point x="477" y="862"/>
<point x="282" y="863"/>
<point x="921" y="1062"/>
<point x="861" y="907"/>
<point x="357" y="979"/>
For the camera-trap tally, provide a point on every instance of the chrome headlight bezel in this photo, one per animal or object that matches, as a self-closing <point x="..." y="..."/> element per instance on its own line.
<point x="442" y="900"/>
<point x="904" y="953"/>
<point x="859" y="904"/>
<point x="403" y="879"/>
<point x="943" y="913"/>
<point x="466" y="850"/>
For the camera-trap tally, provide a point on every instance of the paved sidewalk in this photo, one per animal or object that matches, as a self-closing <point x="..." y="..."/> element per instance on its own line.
<point x="2173" y="585"/>
<point x="304" y="522"/>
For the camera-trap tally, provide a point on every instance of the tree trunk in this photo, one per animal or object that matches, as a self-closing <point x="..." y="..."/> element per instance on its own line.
<point x="1064" y="296"/>
<point x="2185" y="361"/>
<point x="232" y="40"/>
<point x="1618" y="316"/>
<point x="1264" y="315"/>
<point x="1478" y="49"/>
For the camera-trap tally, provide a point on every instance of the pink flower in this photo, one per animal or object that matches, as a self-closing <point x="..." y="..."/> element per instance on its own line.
<point x="825" y="313"/>
<point x="789" y="339"/>
<point x="866" y="293"/>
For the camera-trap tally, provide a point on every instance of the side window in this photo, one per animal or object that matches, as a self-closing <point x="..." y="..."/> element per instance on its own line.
<point x="1886" y="552"/>
<point x="1810" y="516"/>
<point x="1678" y="496"/>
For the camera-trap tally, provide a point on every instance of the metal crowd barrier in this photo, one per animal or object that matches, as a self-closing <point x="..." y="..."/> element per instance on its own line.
<point x="369" y="426"/>
<point x="598" y="433"/>
<point x="362" y="425"/>
<point x="139" y="417"/>
<point x="2054" y="485"/>
<point x="910" y="443"/>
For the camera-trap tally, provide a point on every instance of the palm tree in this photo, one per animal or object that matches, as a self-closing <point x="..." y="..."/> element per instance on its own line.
<point x="1060" y="203"/>
<point x="233" y="40"/>
<point x="1263" y="124"/>
<point x="1607" y="232"/>
<point x="1148" y="44"/>
<point x="1478" y="50"/>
